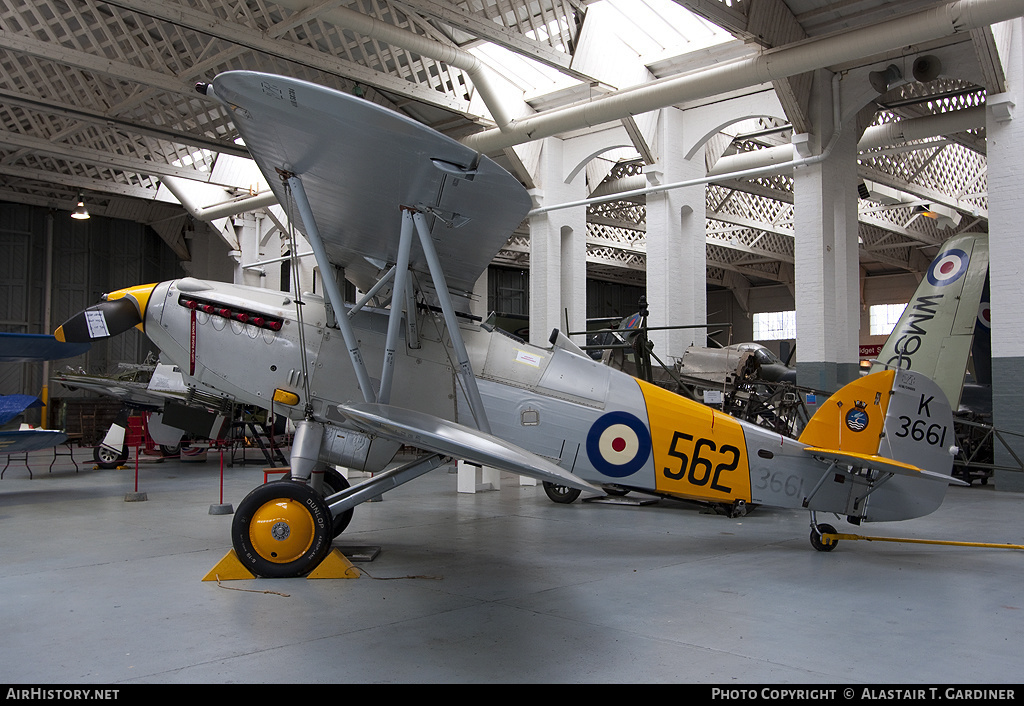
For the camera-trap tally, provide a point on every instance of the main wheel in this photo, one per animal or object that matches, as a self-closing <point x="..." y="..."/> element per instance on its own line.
<point x="333" y="483"/>
<point x="282" y="529"/>
<point x="561" y="493"/>
<point x="819" y="542"/>
<point x="107" y="458"/>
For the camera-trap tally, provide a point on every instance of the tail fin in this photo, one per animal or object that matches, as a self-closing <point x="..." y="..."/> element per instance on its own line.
<point x="853" y="418"/>
<point x="894" y="421"/>
<point x="935" y="332"/>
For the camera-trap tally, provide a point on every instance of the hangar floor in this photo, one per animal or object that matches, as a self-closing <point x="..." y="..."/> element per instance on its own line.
<point x="500" y="586"/>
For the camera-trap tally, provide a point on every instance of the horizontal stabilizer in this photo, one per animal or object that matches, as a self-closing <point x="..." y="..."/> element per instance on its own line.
<point x="880" y="463"/>
<point x="432" y="433"/>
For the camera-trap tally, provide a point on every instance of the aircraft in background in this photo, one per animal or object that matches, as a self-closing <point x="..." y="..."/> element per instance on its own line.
<point x="944" y="332"/>
<point x="181" y="420"/>
<point x="936" y="332"/>
<point x="416" y="224"/>
<point x="26" y="348"/>
<point x="735" y="362"/>
<point x="699" y="364"/>
<point x="143" y="385"/>
<point x="141" y="388"/>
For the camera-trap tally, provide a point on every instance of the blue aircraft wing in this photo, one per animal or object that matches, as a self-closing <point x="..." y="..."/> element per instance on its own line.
<point x="29" y="347"/>
<point x="13" y="405"/>
<point x="30" y="440"/>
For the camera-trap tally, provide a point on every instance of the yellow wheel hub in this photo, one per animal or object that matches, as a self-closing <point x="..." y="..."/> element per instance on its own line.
<point x="282" y="530"/>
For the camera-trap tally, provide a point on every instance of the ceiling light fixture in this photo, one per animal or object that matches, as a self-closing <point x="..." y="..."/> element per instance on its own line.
<point x="945" y="218"/>
<point x="80" y="213"/>
<point x="885" y="81"/>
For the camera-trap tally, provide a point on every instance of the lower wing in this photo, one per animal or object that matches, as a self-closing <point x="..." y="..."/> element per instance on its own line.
<point x="432" y="433"/>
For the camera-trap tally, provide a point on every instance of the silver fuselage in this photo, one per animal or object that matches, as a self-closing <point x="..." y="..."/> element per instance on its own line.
<point x="600" y="424"/>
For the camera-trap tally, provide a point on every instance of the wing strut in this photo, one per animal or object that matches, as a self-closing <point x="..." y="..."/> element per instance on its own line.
<point x="465" y="371"/>
<point x="372" y="293"/>
<point x="401" y="271"/>
<point x="337" y="300"/>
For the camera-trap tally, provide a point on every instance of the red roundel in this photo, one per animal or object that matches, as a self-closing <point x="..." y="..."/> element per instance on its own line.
<point x="948" y="267"/>
<point x="985" y="314"/>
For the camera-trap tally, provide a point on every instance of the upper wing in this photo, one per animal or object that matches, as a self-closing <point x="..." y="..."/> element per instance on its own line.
<point x="360" y="163"/>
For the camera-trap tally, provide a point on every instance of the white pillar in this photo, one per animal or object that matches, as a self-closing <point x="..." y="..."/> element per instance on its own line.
<point x="1005" y="137"/>
<point x="676" y="237"/>
<point x="826" y="258"/>
<point x="558" y="250"/>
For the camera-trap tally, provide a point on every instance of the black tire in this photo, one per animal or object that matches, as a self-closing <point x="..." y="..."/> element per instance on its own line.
<point x="562" y="494"/>
<point x="821" y="544"/>
<point x="615" y="491"/>
<point x="105" y="458"/>
<point x="282" y="530"/>
<point x="334" y="482"/>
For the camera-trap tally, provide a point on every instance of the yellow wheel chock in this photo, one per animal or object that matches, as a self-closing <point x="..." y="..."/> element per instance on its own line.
<point x="334" y="566"/>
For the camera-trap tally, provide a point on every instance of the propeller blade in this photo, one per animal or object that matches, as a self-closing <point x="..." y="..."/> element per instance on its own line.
<point x="121" y="310"/>
<point x="101" y="321"/>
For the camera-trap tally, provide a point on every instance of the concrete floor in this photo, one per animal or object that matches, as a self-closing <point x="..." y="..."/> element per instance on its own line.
<point x="500" y="586"/>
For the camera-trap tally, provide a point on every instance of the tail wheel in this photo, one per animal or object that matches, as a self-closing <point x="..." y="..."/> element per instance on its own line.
<point x="819" y="542"/>
<point x="281" y="530"/>
<point x="561" y="493"/>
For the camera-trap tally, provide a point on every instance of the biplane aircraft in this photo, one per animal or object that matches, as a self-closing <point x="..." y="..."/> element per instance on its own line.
<point x="415" y="225"/>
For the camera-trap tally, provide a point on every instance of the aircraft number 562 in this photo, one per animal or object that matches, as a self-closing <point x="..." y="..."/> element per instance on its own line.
<point x="701" y="468"/>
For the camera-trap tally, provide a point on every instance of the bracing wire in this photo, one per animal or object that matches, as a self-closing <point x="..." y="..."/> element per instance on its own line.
<point x="296" y="285"/>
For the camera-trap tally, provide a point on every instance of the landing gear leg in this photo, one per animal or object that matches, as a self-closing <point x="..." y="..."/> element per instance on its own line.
<point x="333" y="483"/>
<point x="819" y="542"/>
